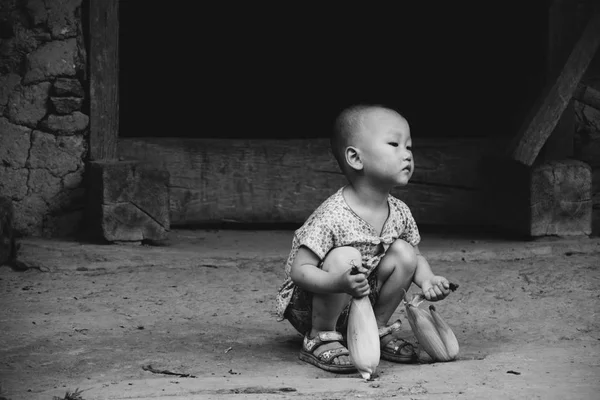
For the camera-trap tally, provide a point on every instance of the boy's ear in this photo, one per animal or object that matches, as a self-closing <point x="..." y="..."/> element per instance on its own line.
<point x="352" y="155"/>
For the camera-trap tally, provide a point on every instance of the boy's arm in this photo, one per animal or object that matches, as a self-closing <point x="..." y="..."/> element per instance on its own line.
<point x="434" y="287"/>
<point x="306" y="274"/>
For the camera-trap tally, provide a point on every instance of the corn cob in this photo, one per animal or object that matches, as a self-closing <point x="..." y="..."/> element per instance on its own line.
<point x="363" y="337"/>
<point x="446" y="333"/>
<point x="433" y="334"/>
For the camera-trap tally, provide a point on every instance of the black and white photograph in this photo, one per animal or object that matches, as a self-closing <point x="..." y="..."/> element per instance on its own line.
<point x="299" y="200"/>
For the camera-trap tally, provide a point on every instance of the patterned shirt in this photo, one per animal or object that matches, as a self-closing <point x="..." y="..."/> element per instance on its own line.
<point x="334" y="224"/>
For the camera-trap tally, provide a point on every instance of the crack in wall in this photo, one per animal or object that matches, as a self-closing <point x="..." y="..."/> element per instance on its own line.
<point x="27" y="163"/>
<point x="62" y="178"/>
<point x="149" y="215"/>
<point x="48" y="177"/>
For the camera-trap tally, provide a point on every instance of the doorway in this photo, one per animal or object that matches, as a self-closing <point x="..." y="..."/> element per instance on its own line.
<point x="285" y="72"/>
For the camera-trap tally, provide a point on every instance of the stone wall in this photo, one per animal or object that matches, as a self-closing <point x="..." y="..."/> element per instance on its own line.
<point x="587" y="137"/>
<point x="43" y="122"/>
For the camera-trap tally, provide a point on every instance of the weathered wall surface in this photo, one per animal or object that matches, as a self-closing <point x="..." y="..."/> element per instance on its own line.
<point x="587" y="137"/>
<point x="43" y="127"/>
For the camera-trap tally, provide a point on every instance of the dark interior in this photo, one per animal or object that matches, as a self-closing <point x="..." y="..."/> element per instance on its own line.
<point x="285" y="72"/>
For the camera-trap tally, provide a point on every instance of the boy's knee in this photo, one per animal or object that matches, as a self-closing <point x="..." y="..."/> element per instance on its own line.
<point x="342" y="258"/>
<point x="404" y="254"/>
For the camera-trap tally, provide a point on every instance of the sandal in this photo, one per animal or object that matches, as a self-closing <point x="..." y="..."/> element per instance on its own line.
<point x="404" y="352"/>
<point x="325" y="359"/>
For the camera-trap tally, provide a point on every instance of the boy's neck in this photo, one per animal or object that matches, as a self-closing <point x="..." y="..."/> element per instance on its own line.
<point x="366" y="196"/>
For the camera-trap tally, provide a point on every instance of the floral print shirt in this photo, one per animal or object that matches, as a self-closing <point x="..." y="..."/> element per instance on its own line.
<point x="334" y="224"/>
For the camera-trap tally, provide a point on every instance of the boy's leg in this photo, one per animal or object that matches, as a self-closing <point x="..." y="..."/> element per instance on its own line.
<point x="326" y="309"/>
<point x="394" y="273"/>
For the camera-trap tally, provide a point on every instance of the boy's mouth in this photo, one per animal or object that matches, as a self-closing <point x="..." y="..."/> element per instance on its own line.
<point x="407" y="168"/>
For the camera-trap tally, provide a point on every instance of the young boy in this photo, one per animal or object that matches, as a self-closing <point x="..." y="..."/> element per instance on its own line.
<point x="361" y="225"/>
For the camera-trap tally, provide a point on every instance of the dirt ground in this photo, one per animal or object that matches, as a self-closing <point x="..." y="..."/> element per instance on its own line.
<point x="94" y="317"/>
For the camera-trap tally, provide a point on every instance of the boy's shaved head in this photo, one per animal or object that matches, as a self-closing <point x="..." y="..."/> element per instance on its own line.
<point x="348" y="123"/>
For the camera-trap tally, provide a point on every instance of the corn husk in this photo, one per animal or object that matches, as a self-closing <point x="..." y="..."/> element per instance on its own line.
<point x="445" y="332"/>
<point x="433" y="333"/>
<point x="363" y="337"/>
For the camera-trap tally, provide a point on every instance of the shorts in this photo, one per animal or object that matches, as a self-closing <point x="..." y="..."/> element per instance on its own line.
<point x="299" y="310"/>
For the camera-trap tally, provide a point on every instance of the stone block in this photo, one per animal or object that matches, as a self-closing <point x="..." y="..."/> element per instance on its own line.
<point x="549" y="199"/>
<point x="66" y="105"/>
<point x="561" y="198"/>
<point x="27" y="105"/>
<point x="7" y="238"/>
<point x="127" y="222"/>
<point x="27" y="40"/>
<point x="56" y="58"/>
<point x="29" y="215"/>
<point x="128" y="201"/>
<point x="37" y="11"/>
<point x="59" y="154"/>
<point x="62" y="19"/>
<point x="8" y="83"/>
<point x="66" y="124"/>
<point x="43" y="183"/>
<point x="67" y="87"/>
<point x="13" y="182"/>
<point x="15" y="141"/>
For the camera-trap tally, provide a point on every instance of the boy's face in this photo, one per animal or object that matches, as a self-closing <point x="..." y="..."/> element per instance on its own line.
<point x="386" y="148"/>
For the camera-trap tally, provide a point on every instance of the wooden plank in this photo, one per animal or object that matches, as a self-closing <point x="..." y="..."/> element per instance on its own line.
<point x="545" y="115"/>
<point x="283" y="181"/>
<point x="444" y="205"/>
<point x="104" y="78"/>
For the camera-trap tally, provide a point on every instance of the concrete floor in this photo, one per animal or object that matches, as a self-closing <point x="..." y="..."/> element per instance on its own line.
<point x="92" y="316"/>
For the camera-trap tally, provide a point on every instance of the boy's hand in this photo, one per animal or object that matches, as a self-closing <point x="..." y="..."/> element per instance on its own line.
<point x="355" y="284"/>
<point x="436" y="288"/>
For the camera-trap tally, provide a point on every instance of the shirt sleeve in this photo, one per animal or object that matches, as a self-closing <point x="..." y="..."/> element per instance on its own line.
<point x="317" y="235"/>
<point x="410" y="233"/>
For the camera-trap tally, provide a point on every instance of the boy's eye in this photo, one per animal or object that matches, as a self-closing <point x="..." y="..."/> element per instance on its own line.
<point x="408" y="147"/>
<point x="393" y="144"/>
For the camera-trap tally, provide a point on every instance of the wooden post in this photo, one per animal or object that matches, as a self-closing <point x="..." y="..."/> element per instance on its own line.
<point x="527" y="144"/>
<point x="104" y="78"/>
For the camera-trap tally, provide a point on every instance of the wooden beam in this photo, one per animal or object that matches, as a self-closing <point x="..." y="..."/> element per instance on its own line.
<point x="566" y="21"/>
<point x="104" y="78"/>
<point x="283" y="181"/>
<point x="545" y="115"/>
